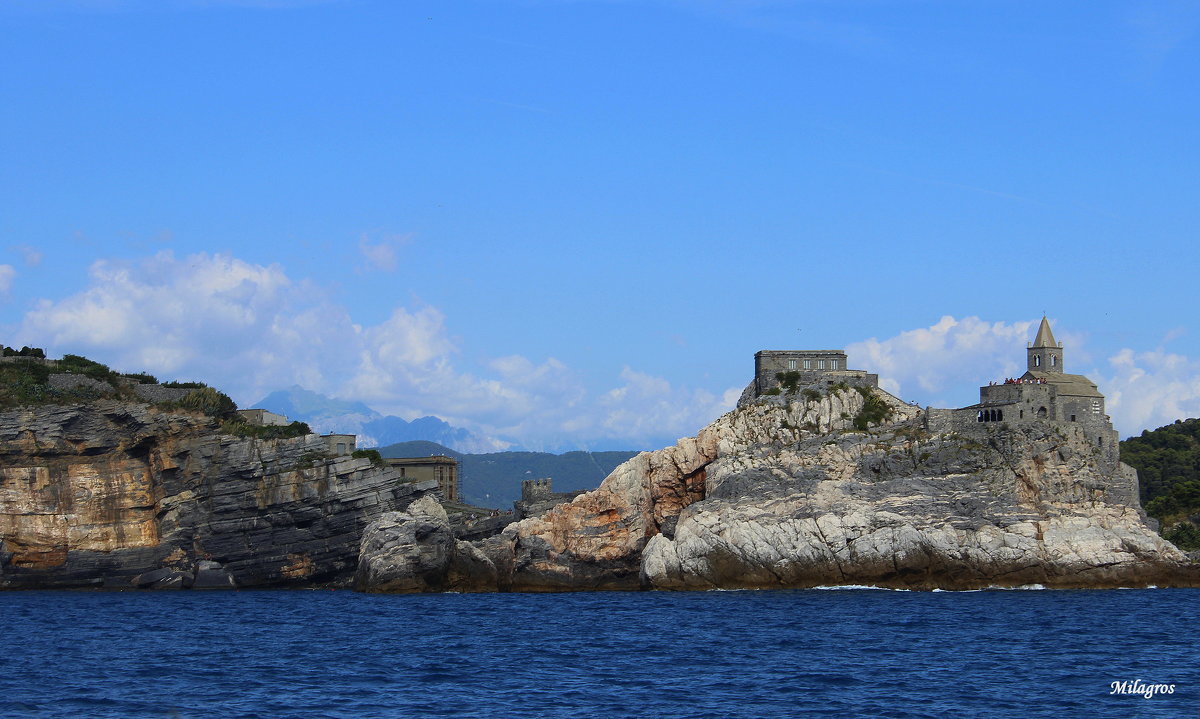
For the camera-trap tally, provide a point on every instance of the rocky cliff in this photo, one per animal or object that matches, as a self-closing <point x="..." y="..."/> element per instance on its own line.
<point x="783" y="492"/>
<point x="119" y="494"/>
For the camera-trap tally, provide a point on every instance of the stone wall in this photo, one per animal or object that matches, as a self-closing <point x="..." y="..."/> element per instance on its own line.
<point x="155" y="393"/>
<point x="67" y="381"/>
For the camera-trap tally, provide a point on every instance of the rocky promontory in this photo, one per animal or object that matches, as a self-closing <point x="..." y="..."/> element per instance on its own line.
<point x="123" y="494"/>
<point x="802" y="491"/>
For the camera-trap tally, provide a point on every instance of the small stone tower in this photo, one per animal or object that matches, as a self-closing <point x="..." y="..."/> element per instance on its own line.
<point x="1044" y="354"/>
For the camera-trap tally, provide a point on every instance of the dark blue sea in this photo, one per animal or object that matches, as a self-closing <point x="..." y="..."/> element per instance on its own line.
<point x="818" y="653"/>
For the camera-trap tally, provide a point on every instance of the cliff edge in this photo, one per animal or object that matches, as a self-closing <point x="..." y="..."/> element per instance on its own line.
<point x="848" y="487"/>
<point x="121" y="494"/>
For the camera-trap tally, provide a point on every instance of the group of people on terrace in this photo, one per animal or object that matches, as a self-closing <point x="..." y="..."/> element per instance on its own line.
<point x="1023" y="380"/>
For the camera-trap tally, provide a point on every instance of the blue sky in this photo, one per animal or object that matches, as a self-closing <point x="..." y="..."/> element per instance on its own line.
<point x="572" y="223"/>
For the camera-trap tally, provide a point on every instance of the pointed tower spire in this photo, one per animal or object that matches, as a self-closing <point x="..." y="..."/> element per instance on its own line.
<point x="1045" y="338"/>
<point x="1045" y="354"/>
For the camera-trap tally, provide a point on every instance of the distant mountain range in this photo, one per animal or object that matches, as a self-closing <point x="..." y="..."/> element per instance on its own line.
<point x="326" y="415"/>
<point x="494" y="479"/>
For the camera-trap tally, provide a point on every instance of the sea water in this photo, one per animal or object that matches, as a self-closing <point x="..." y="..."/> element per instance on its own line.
<point x="818" y="653"/>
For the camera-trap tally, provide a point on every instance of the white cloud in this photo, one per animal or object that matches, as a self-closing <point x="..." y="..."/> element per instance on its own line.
<point x="944" y="363"/>
<point x="31" y="256"/>
<point x="250" y="329"/>
<point x="646" y="406"/>
<point x="381" y="255"/>
<point x="7" y="274"/>
<point x="1150" y="389"/>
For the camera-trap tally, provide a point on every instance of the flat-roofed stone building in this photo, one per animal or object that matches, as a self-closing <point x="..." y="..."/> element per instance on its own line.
<point x="263" y="418"/>
<point x="818" y="369"/>
<point x="340" y="444"/>
<point x="438" y="467"/>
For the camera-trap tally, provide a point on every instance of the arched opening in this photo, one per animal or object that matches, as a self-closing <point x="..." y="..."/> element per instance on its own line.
<point x="1041" y="412"/>
<point x="1037" y="360"/>
<point x="1053" y="360"/>
<point x="979" y="416"/>
<point x="999" y="415"/>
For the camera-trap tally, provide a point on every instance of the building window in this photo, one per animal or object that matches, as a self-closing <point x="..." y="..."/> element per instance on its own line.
<point x="833" y="364"/>
<point x="404" y="471"/>
<point x="1072" y="418"/>
<point x="1095" y="406"/>
<point x="792" y="364"/>
<point x="341" y="448"/>
<point x="820" y="364"/>
<point x="1037" y="360"/>
<point x="807" y="364"/>
<point x="1053" y="360"/>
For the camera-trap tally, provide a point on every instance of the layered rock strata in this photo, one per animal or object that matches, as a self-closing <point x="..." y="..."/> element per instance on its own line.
<point x="118" y="495"/>
<point x="786" y="493"/>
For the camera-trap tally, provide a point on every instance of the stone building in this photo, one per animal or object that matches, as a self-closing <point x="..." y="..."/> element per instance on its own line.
<point x="538" y="496"/>
<point x="437" y="467"/>
<point x="817" y="369"/>
<point x="1045" y="392"/>
<point x="340" y="444"/>
<point x="262" y="418"/>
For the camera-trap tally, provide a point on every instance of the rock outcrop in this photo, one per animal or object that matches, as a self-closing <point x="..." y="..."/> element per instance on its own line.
<point x="119" y="494"/>
<point x="415" y="551"/>
<point x="786" y="493"/>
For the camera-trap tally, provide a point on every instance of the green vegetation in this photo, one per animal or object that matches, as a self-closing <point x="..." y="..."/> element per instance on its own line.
<point x="209" y="401"/>
<point x="789" y="381"/>
<point x="35" y="352"/>
<point x="240" y="428"/>
<point x="1168" y="464"/>
<point x="184" y="385"/>
<point x="839" y="387"/>
<point x="773" y="391"/>
<point x="874" y="409"/>
<point x="26" y="383"/>
<point x="371" y="454"/>
<point x="811" y="395"/>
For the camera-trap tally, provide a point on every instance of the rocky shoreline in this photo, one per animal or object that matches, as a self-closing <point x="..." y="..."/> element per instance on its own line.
<point x="782" y="492"/>
<point x="120" y="495"/>
<point x="785" y="493"/>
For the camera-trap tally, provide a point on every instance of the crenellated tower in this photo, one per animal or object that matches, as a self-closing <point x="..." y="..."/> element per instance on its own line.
<point x="1044" y="354"/>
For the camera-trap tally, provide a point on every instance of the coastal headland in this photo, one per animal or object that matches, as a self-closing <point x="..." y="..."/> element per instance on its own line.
<point x="817" y="477"/>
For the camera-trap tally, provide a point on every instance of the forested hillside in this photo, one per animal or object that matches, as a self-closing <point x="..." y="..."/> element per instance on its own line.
<point x="1168" y="463"/>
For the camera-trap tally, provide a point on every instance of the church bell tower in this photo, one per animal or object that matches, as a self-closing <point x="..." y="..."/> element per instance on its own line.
<point x="1044" y="354"/>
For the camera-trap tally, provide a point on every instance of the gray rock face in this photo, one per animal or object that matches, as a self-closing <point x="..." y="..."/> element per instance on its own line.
<point x="102" y="494"/>
<point x="415" y="551"/>
<point x="785" y="493"/>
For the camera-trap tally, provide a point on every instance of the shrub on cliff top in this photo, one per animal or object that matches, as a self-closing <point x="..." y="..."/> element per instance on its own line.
<point x="209" y="401"/>
<point x="240" y="428"/>
<point x="371" y="454"/>
<point x="874" y="409"/>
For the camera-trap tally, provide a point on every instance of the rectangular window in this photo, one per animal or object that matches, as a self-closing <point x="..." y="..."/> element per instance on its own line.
<point x="404" y="471"/>
<point x="833" y="364"/>
<point x="820" y="364"/>
<point x="1095" y="406"/>
<point x="791" y="364"/>
<point x="807" y="364"/>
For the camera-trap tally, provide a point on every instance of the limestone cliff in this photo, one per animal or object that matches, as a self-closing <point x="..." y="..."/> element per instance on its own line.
<point x="786" y="493"/>
<point x="114" y="494"/>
